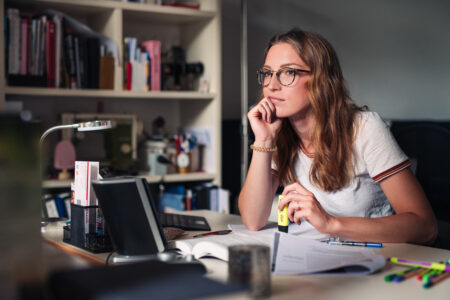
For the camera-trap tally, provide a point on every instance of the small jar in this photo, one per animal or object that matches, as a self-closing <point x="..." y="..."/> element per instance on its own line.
<point x="154" y="150"/>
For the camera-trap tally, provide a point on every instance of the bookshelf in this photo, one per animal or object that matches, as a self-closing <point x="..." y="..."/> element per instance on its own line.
<point x="197" y="31"/>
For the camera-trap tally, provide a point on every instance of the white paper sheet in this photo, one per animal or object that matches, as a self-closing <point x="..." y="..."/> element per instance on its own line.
<point x="298" y="255"/>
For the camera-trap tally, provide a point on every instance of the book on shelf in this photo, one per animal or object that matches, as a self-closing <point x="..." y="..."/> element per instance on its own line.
<point x="14" y="24"/>
<point x="50" y="38"/>
<point x="106" y="72"/>
<point x="23" y="46"/>
<point x="154" y="49"/>
<point x="93" y="63"/>
<point x="53" y="50"/>
<point x="78" y="67"/>
<point x="69" y="56"/>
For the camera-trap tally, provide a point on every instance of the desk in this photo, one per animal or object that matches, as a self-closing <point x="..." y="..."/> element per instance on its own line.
<point x="315" y="287"/>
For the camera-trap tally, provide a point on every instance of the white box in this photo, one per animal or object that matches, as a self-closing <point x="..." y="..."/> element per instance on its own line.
<point x="85" y="172"/>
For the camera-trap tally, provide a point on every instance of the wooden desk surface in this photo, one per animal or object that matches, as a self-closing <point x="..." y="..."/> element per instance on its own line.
<point x="319" y="286"/>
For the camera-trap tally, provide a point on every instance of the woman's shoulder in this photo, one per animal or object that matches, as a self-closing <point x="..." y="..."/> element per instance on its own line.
<point x="368" y="121"/>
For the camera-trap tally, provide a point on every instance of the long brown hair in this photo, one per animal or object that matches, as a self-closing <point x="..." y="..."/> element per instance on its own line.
<point x="334" y="114"/>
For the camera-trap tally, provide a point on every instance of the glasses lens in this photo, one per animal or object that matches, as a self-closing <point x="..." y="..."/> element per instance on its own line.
<point x="264" y="76"/>
<point x="286" y="77"/>
<point x="260" y="76"/>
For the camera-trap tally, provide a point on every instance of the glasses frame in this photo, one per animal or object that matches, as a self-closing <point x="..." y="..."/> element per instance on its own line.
<point x="278" y="73"/>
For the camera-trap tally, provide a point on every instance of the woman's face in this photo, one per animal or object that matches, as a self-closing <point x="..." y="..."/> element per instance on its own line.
<point x="290" y="101"/>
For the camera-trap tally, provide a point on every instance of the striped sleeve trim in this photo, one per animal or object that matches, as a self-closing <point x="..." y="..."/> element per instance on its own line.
<point x="392" y="171"/>
<point x="275" y="172"/>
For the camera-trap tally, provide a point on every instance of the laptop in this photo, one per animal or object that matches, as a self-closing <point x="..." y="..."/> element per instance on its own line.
<point x="132" y="218"/>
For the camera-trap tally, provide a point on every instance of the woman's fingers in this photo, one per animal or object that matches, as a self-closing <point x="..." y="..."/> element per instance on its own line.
<point x="297" y="188"/>
<point x="292" y="208"/>
<point x="268" y="112"/>
<point x="294" y="196"/>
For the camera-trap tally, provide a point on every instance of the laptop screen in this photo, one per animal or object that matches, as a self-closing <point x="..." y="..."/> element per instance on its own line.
<point x="130" y="215"/>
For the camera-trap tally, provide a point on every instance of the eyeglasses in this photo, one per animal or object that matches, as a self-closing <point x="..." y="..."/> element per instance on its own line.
<point x="285" y="76"/>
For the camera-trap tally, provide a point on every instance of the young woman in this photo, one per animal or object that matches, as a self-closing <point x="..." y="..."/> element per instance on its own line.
<point x="341" y="168"/>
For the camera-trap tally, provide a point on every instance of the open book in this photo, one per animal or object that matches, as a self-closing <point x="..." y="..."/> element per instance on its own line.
<point x="217" y="245"/>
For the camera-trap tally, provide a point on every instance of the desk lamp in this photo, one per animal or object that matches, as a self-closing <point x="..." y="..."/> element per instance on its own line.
<point x="84" y="126"/>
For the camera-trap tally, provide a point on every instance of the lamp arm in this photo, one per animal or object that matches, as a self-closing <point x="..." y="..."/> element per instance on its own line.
<point x="54" y="128"/>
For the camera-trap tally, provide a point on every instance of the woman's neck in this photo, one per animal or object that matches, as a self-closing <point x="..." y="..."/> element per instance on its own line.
<point x="304" y="127"/>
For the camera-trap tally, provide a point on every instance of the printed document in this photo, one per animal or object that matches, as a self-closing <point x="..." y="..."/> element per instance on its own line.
<point x="298" y="255"/>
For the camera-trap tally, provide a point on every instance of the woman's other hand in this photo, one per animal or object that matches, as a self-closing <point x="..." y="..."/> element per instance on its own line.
<point x="303" y="204"/>
<point x="265" y="124"/>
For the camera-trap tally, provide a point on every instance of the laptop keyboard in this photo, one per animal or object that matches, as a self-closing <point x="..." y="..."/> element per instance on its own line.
<point x="184" y="222"/>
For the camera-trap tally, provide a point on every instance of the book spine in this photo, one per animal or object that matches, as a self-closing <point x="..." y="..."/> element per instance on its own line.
<point x="50" y="53"/>
<point x="70" y="58"/>
<point x="156" y="66"/>
<point x="58" y="48"/>
<point x="23" y="46"/>
<point x="37" y="47"/>
<point x="42" y="47"/>
<point x="77" y="60"/>
<point x="34" y="30"/>
<point x="29" y="44"/>
<point x="154" y="49"/>
<point x="93" y="63"/>
<point x="14" y="41"/>
<point x="129" y="73"/>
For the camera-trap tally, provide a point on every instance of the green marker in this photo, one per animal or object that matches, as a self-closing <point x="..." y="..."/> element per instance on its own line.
<point x="391" y="277"/>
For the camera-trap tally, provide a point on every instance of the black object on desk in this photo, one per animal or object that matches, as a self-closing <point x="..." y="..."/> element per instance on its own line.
<point x="146" y="280"/>
<point x="185" y="222"/>
<point x="131" y="217"/>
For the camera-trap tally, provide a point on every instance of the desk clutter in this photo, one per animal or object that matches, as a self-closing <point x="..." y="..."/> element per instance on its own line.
<point x="427" y="273"/>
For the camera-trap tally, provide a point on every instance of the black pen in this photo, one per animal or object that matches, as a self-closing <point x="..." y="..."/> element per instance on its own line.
<point x="219" y="232"/>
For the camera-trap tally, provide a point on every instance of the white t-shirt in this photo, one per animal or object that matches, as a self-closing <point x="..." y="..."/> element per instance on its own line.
<point x="377" y="157"/>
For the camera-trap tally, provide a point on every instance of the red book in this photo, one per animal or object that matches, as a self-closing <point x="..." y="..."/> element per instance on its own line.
<point x="129" y="66"/>
<point x="51" y="50"/>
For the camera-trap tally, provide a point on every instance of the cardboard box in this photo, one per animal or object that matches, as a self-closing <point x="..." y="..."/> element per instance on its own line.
<point x="85" y="172"/>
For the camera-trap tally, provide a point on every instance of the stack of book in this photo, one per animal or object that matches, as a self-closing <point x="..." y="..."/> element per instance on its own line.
<point x="46" y="50"/>
<point x="142" y="71"/>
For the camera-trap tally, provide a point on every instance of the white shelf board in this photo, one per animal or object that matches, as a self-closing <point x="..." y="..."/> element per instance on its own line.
<point x="164" y="14"/>
<point x="52" y="184"/>
<point x="86" y="93"/>
<point x="179" y="177"/>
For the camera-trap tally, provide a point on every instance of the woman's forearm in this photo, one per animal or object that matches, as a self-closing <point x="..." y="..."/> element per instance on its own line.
<point x="255" y="199"/>
<point x="403" y="227"/>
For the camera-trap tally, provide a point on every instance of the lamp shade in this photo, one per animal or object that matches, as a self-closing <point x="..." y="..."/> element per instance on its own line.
<point x="64" y="155"/>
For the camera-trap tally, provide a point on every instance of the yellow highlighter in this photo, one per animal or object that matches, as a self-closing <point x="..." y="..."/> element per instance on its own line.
<point x="283" y="221"/>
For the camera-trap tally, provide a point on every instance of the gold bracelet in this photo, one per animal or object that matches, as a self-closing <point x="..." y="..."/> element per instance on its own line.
<point x="263" y="149"/>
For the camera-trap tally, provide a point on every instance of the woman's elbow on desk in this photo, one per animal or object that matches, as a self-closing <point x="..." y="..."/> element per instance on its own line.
<point x="431" y="231"/>
<point x="253" y="225"/>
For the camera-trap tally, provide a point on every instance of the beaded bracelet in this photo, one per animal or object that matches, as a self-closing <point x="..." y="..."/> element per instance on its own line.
<point x="263" y="149"/>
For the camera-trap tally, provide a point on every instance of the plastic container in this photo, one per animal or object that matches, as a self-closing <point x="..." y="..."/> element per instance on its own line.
<point x="155" y="149"/>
